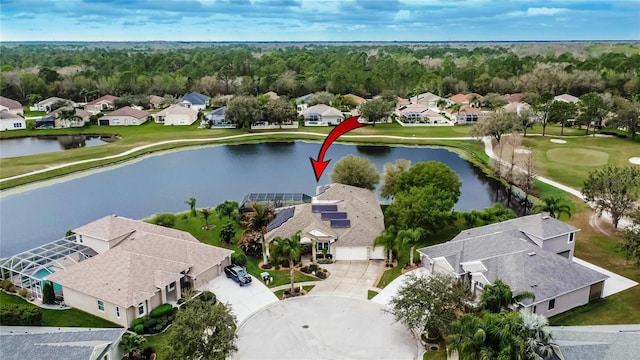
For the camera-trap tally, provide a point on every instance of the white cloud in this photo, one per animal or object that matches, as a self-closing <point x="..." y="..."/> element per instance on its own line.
<point x="402" y="15"/>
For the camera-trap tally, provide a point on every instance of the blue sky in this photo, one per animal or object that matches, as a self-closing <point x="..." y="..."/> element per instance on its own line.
<point x="318" y="20"/>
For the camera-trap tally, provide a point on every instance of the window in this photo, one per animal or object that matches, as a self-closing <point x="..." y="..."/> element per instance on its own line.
<point x="80" y="239"/>
<point x="118" y="311"/>
<point x="535" y="308"/>
<point x="172" y="286"/>
<point x="323" y="245"/>
<point x="115" y="121"/>
<point x="572" y="237"/>
<point x="101" y="305"/>
<point x="479" y="284"/>
<point x="141" y="309"/>
<point x="552" y="304"/>
<point x="17" y="125"/>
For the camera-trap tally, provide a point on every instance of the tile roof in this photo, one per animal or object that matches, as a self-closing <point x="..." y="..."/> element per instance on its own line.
<point x="112" y="227"/>
<point x="516" y="107"/>
<point x="272" y="95"/>
<point x="25" y="342"/>
<point x="196" y="98"/>
<point x="52" y="100"/>
<point x="178" y="109"/>
<point x="9" y="103"/>
<point x="425" y="97"/>
<point x="79" y="112"/>
<point x="7" y="115"/>
<point x="566" y="98"/>
<point x="598" y="342"/>
<point x="355" y="98"/>
<point x="138" y="267"/>
<point x="129" y="111"/>
<point x="464" y="98"/>
<point x="324" y="110"/>
<point x="155" y="99"/>
<point x="362" y="208"/>
<point x="107" y="98"/>
<point x="516" y="97"/>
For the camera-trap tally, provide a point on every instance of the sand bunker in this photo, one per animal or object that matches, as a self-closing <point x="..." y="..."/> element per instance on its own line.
<point x="558" y="141"/>
<point x="635" y="160"/>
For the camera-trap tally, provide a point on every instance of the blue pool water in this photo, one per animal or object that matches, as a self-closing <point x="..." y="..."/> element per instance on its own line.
<point x="42" y="273"/>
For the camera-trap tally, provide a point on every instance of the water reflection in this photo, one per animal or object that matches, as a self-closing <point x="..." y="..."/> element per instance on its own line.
<point x="46" y="144"/>
<point x="502" y="194"/>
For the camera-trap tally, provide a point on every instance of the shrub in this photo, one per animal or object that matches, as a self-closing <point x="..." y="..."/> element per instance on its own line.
<point x="23" y="293"/>
<point x="150" y="323"/>
<point x="164" y="219"/>
<point x="138" y="329"/>
<point x="267" y="266"/>
<point x="138" y="321"/>
<point x="321" y="275"/>
<point x="148" y="351"/>
<point x="239" y="259"/>
<point x="160" y="311"/>
<point x="314" y="267"/>
<point x="20" y="315"/>
<point x="48" y="296"/>
<point x="7" y="285"/>
<point x="305" y="269"/>
<point x="208" y="296"/>
<point x="277" y="267"/>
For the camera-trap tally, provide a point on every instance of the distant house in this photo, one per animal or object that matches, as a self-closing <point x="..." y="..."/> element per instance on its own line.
<point x="322" y="115"/>
<point x="46" y="105"/>
<point x="139" y="266"/>
<point x="516" y="107"/>
<point x="417" y="114"/>
<point x="11" y="121"/>
<point x="566" y="98"/>
<point x="469" y="115"/>
<point x="104" y="103"/>
<point x="83" y="118"/>
<point x="532" y="253"/>
<point x="11" y="106"/>
<point x="125" y="116"/>
<point x="429" y="100"/>
<point x="302" y="103"/>
<point x="156" y="101"/>
<point x="176" y="115"/>
<point x="272" y="95"/>
<point x="471" y="99"/>
<point x="355" y="99"/>
<point x="195" y="101"/>
<point x="341" y="220"/>
<point x="513" y="98"/>
<point x="216" y="118"/>
<point x="39" y="342"/>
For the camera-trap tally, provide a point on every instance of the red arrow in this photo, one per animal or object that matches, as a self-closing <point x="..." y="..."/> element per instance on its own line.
<point x="345" y="126"/>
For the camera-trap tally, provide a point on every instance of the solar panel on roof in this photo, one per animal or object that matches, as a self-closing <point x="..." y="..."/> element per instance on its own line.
<point x="340" y="223"/>
<point x="323" y="208"/>
<point x="281" y="217"/>
<point x="333" y="215"/>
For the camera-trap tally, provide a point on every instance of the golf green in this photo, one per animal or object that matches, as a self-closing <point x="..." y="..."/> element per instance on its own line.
<point x="578" y="156"/>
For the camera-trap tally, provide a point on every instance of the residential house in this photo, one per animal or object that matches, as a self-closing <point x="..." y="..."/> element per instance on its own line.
<point x="139" y="266"/>
<point x="355" y="99"/>
<point x="469" y="115"/>
<point x="69" y="343"/>
<point x="532" y="253"/>
<point x="302" y="103"/>
<point x="156" y="101"/>
<point x="104" y="103"/>
<point x="83" y="118"/>
<point x="566" y="98"/>
<point x="597" y="342"/>
<point x="195" y="101"/>
<point x="11" y="121"/>
<point x="272" y="95"/>
<point x="417" y="114"/>
<point x="125" y="116"/>
<point x="47" y="105"/>
<point x="341" y="220"/>
<point x="322" y="115"/>
<point x="513" y="98"/>
<point x="176" y="115"/>
<point x="516" y="107"/>
<point x="11" y="106"/>
<point x="471" y="99"/>
<point x="429" y="100"/>
<point x="216" y="118"/>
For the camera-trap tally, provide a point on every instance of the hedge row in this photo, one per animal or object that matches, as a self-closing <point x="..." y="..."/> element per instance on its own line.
<point x="20" y="315"/>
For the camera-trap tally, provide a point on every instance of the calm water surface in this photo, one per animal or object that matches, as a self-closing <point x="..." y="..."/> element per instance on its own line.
<point x="46" y="144"/>
<point x="211" y="175"/>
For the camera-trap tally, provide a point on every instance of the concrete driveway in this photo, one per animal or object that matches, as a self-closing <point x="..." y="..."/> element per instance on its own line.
<point x="244" y="300"/>
<point x="392" y="288"/>
<point x="349" y="278"/>
<point x="324" y="327"/>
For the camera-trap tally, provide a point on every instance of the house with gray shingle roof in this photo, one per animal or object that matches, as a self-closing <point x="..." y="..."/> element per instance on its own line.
<point x="531" y="253"/>
<point x="139" y="266"/>
<point x="36" y="342"/>
<point x="597" y="342"/>
<point x="343" y="220"/>
<point x="195" y="101"/>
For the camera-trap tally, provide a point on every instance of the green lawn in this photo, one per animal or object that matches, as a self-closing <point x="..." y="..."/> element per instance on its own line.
<point x="554" y="130"/>
<point x="60" y="318"/>
<point x="371" y="294"/>
<point x="435" y="355"/>
<point x="159" y="343"/>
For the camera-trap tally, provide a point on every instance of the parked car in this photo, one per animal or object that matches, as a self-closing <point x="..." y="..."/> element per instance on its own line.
<point x="238" y="274"/>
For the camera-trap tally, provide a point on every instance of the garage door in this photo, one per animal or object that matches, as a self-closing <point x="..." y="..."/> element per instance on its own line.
<point x="103" y="122"/>
<point x="377" y="253"/>
<point x="351" y="253"/>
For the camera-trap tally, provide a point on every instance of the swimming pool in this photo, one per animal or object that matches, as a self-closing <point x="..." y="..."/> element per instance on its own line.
<point x="44" y="272"/>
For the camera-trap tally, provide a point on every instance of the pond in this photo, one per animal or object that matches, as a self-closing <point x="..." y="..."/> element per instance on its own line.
<point x="163" y="182"/>
<point x="45" y="144"/>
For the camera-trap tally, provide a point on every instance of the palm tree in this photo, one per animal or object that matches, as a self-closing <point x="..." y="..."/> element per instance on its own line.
<point x="206" y="212"/>
<point x="410" y="237"/>
<point x="498" y="297"/>
<point x="257" y="220"/>
<point x="441" y="103"/>
<point x="539" y="344"/>
<point x="555" y="206"/>
<point x="68" y="115"/>
<point x="388" y="240"/>
<point x="192" y="205"/>
<point x="132" y="343"/>
<point x="288" y="248"/>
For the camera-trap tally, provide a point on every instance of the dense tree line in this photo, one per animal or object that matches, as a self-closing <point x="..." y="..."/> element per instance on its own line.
<point x="84" y="73"/>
